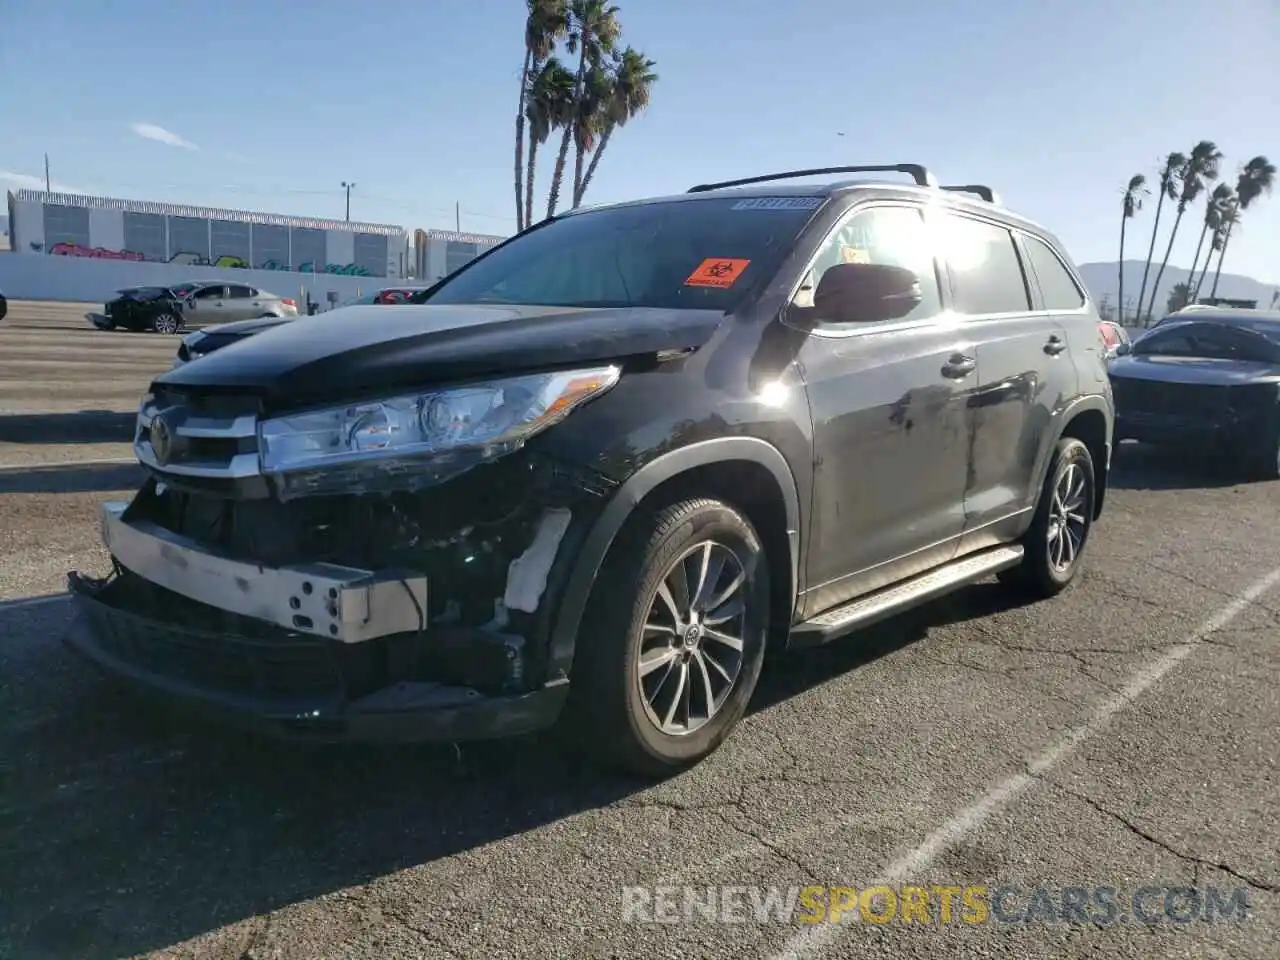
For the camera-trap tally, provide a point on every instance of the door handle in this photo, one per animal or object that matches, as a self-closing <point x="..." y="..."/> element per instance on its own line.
<point x="1055" y="345"/>
<point x="959" y="366"/>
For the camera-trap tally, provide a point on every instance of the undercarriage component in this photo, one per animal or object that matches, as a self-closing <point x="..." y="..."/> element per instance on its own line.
<point x="342" y="603"/>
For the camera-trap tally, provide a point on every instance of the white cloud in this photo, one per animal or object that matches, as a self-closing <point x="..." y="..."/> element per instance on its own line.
<point x="150" y="131"/>
<point x="25" y="181"/>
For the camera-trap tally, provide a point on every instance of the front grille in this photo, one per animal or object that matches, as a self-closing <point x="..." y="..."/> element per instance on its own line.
<point x="1179" y="399"/>
<point x="210" y="436"/>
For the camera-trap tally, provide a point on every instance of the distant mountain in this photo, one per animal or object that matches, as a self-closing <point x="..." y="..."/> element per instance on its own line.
<point x="1103" y="282"/>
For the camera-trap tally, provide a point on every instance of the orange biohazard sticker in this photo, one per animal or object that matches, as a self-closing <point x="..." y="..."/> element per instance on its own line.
<point x="719" y="272"/>
<point x="854" y="255"/>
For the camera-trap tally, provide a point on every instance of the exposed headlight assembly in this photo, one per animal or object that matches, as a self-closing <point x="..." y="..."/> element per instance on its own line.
<point x="421" y="438"/>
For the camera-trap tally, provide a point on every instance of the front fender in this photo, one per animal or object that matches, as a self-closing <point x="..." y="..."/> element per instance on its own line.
<point x="623" y="503"/>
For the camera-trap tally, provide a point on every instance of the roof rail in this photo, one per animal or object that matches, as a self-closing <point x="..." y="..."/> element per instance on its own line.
<point x="917" y="172"/>
<point x="986" y="193"/>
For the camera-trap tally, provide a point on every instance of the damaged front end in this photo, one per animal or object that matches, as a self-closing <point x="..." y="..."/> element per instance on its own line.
<point x="402" y="610"/>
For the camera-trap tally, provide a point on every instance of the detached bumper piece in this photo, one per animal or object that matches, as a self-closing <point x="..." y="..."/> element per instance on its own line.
<point x="284" y="685"/>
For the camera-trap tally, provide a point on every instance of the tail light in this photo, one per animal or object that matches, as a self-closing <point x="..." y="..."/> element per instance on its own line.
<point x="1110" y="337"/>
<point x="288" y="302"/>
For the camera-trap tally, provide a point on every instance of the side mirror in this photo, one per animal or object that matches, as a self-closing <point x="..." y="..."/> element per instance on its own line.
<point x="866" y="293"/>
<point x="1123" y="349"/>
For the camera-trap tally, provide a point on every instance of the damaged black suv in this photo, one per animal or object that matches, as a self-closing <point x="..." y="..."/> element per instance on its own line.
<point x="595" y="474"/>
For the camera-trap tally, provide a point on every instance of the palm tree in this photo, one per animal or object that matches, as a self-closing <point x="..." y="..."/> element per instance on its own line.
<point x="1179" y="297"/>
<point x="1227" y="212"/>
<point x="1200" y="167"/>
<point x="1168" y="188"/>
<point x="1221" y="196"/>
<point x="549" y="107"/>
<point x="545" y="24"/>
<point x="632" y="81"/>
<point x="593" y="32"/>
<point x="1255" y="179"/>
<point x="1133" y="194"/>
<point x="589" y="119"/>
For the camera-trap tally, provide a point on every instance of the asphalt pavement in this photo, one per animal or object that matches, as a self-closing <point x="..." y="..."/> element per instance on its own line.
<point x="1120" y="736"/>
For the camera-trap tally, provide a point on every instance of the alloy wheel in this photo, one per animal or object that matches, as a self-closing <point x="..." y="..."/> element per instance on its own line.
<point x="691" y="650"/>
<point x="166" y="323"/>
<point x="1067" y="522"/>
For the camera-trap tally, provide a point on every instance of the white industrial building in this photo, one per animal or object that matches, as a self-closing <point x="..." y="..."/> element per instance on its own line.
<point x="103" y="228"/>
<point x="437" y="253"/>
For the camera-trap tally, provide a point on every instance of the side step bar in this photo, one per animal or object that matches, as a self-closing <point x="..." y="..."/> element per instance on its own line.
<point x="867" y="610"/>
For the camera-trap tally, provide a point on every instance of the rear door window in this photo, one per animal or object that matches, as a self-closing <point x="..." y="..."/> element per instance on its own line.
<point x="1057" y="287"/>
<point x="237" y="292"/>
<point x="986" y="271"/>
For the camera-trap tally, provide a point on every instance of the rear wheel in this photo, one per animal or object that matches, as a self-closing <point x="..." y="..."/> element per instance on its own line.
<point x="673" y="638"/>
<point x="1055" y="542"/>
<point x="167" y="322"/>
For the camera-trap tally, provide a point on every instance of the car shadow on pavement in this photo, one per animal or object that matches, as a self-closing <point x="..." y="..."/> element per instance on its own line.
<point x="71" y="478"/>
<point x="84" y="426"/>
<point x="1136" y="466"/>
<point x="127" y="829"/>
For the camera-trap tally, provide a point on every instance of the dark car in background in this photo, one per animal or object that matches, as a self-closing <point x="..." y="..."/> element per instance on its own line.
<point x="4" y="305"/>
<point x="1205" y="380"/>
<point x="144" y="308"/>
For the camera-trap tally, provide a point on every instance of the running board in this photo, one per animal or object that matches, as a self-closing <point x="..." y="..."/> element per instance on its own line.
<point x="867" y="610"/>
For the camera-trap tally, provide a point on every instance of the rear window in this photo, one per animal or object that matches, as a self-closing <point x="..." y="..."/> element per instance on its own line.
<point x="692" y="254"/>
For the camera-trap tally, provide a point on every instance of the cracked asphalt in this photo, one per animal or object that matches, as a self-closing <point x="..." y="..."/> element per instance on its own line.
<point x="126" y="831"/>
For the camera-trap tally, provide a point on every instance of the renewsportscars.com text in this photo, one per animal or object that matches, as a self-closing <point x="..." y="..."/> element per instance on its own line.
<point x="971" y="904"/>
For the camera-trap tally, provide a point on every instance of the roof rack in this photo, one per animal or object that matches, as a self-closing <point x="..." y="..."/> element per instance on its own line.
<point x="922" y="177"/>
<point x="986" y="193"/>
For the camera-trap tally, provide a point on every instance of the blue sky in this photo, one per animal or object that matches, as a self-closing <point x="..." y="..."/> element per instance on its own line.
<point x="1055" y="104"/>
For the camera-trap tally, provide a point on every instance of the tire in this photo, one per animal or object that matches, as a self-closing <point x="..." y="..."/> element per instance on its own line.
<point x="167" y="323"/>
<point x="1040" y="574"/>
<point x="4" y="308"/>
<point x="620" y="718"/>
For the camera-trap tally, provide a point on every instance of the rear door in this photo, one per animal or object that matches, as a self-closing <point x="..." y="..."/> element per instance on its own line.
<point x="1024" y="373"/>
<point x="240" y="303"/>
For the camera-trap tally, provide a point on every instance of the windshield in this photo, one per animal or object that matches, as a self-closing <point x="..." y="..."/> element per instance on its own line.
<point x="690" y="254"/>
<point x="1209" y="342"/>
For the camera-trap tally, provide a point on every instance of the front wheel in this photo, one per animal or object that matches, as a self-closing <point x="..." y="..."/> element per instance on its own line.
<point x="1055" y="542"/>
<point x="673" y="638"/>
<point x="166" y="322"/>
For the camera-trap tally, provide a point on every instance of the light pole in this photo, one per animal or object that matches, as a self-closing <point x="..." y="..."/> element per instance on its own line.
<point x="348" y="187"/>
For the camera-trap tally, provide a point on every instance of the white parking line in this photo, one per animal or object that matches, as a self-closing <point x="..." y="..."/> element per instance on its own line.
<point x="16" y="467"/>
<point x="813" y="940"/>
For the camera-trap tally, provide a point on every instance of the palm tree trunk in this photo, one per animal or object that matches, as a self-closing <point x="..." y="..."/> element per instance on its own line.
<point x="1151" y="252"/>
<point x="557" y="175"/>
<point x="595" y="161"/>
<point x="524" y="93"/>
<point x="1195" y="262"/>
<point x="528" y="183"/>
<point x="1123" y="223"/>
<point x="1221" y="256"/>
<point x="1155" y="287"/>
<point x="579" y="89"/>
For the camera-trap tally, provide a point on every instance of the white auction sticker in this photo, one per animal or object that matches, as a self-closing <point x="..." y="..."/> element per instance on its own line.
<point x="779" y="203"/>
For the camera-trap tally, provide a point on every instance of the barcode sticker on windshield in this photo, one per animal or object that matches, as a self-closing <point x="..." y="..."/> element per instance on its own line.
<point x="778" y="203"/>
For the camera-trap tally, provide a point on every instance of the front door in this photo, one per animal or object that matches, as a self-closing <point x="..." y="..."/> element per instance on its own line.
<point x="891" y="438"/>
<point x="206" y="306"/>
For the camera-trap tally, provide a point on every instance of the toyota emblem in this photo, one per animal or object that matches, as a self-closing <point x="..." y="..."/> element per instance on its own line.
<point x="161" y="439"/>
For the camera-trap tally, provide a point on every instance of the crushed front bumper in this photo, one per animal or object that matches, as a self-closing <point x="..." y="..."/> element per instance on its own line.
<point x="314" y="651"/>
<point x="290" y="688"/>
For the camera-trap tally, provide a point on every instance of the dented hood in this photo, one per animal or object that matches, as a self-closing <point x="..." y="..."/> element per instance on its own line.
<point x="357" y="349"/>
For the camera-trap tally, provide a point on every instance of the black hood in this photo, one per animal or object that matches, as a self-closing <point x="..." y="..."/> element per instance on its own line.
<point x="243" y="328"/>
<point x="1193" y="370"/>
<point x="357" y="349"/>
